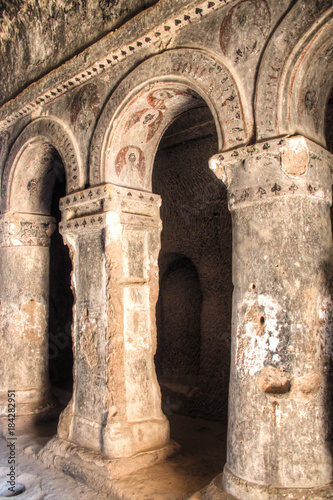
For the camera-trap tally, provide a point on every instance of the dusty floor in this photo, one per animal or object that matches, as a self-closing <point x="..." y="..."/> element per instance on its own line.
<point x="202" y="458"/>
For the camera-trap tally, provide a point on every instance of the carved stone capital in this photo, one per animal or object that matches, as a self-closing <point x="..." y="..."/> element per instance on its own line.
<point x="90" y="209"/>
<point x="289" y="166"/>
<point x="18" y="229"/>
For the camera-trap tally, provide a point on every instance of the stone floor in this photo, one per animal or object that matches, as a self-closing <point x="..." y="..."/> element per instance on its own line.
<point x="203" y="456"/>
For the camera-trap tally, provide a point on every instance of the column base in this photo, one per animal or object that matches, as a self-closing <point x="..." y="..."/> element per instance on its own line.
<point x="213" y="491"/>
<point x="93" y="469"/>
<point x="38" y="405"/>
<point x="245" y="490"/>
<point x="114" y="440"/>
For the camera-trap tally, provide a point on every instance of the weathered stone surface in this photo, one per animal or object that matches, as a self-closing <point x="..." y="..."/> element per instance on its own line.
<point x="273" y="381"/>
<point x="307" y="387"/>
<point x="17" y="490"/>
<point x="295" y="157"/>
<point x="246" y="489"/>
<point x="95" y="468"/>
<point x="116" y="340"/>
<point x="137" y="112"/>
<point x="38" y="36"/>
<point x="278" y="337"/>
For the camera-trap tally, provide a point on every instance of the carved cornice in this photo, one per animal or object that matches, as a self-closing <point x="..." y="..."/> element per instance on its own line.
<point x="163" y="32"/>
<point x="90" y="209"/>
<point x="267" y="171"/>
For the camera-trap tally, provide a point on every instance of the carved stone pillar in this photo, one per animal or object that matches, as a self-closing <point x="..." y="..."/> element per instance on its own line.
<point x="114" y="236"/>
<point x="24" y="296"/>
<point x="280" y="399"/>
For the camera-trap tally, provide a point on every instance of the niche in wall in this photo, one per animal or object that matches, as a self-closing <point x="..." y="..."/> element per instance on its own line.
<point x="179" y="328"/>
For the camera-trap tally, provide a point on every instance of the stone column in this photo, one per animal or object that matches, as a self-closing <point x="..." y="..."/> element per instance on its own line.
<point x="280" y="399"/>
<point x="114" y="236"/>
<point x="24" y="296"/>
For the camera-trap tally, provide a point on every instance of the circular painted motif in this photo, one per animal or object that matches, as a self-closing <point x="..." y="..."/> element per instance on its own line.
<point x="244" y="30"/>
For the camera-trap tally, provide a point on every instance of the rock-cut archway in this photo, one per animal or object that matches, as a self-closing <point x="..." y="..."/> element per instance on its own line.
<point x="42" y="157"/>
<point x="295" y="75"/>
<point x="149" y="99"/>
<point x="121" y="208"/>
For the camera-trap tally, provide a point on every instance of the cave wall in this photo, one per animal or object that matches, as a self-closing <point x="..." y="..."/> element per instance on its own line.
<point x="38" y="35"/>
<point x="263" y="69"/>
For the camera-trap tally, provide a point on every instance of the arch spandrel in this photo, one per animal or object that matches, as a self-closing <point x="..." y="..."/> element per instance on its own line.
<point x="40" y="138"/>
<point x="294" y="77"/>
<point x="310" y="85"/>
<point x="148" y="100"/>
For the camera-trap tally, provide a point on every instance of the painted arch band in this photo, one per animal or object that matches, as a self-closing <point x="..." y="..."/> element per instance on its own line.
<point x="148" y="100"/>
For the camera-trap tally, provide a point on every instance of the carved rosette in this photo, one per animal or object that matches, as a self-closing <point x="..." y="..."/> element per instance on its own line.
<point x="26" y="230"/>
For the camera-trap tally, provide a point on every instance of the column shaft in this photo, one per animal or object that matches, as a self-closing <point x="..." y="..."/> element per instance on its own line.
<point x="24" y="295"/>
<point x="114" y="234"/>
<point x="279" y="399"/>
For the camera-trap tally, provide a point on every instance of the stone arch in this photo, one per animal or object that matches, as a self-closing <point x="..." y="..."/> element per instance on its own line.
<point x="148" y="100"/>
<point x="42" y="153"/>
<point x="294" y="78"/>
<point x="42" y="137"/>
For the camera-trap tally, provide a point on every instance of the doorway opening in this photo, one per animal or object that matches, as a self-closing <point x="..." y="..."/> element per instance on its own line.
<point x="60" y="299"/>
<point x="329" y="123"/>
<point x="329" y="134"/>
<point x="193" y="312"/>
<point x="37" y="184"/>
<point x="179" y="333"/>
